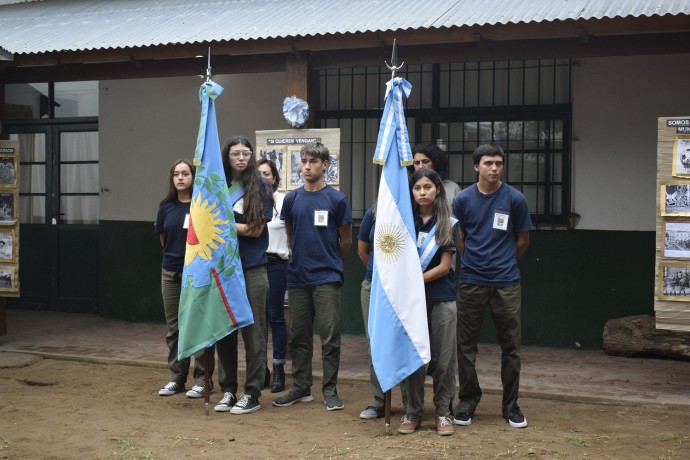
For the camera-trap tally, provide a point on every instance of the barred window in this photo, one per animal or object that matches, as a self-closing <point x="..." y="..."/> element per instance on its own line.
<point x="523" y="105"/>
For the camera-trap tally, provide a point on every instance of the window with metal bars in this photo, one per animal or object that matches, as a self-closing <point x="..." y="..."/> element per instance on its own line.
<point x="523" y="105"/>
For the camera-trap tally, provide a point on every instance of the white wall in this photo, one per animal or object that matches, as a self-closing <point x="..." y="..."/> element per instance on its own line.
<point x="616" y="103"/>
<point x="146" y="124"/>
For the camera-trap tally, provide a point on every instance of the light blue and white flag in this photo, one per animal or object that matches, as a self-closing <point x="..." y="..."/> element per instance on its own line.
<point x="398" y="331"/>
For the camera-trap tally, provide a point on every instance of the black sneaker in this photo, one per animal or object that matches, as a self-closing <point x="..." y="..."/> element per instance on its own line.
<point x="170" y="389"/>
<point x="515" y="417"/>
<point x="245" y="405"/>
<point x="293" y="396"/>
<point x="225" y="404"/>
<point x="462" y="418"/>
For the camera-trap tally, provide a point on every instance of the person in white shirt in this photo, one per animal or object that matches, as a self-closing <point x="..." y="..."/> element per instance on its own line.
<point x="278" y="254"/>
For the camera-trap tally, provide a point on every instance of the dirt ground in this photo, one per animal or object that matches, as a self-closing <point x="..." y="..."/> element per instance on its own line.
<point x="69" y="410"/>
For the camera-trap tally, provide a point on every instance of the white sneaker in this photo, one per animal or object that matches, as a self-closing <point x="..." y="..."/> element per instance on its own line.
<point x="197" y="391"/>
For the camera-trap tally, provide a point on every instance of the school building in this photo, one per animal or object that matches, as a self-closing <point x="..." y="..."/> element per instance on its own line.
<point x="103" y="96"/>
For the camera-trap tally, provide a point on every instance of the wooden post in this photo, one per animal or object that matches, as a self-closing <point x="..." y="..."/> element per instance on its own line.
<point x="297" y="79"/>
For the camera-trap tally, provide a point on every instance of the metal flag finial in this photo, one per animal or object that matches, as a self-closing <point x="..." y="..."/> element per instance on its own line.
<point x="208" y="68"/>
<point x="394" y="67"/>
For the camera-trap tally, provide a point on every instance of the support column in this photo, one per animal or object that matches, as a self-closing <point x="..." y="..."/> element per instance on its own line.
<point x="297" y="70"/>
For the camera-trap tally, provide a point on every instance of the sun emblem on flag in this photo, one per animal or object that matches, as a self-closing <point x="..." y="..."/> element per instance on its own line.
<point x="204" y="230"/>
<point x="389" y="243"/>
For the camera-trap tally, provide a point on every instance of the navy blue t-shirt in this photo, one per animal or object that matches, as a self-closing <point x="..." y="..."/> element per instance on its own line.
<point x="367" y="230"/>
<point x="490" y="224"/>
<point x="170" y="221"/>
<point x="253" y="249"/>
<point x="441" y="289"/>
<point x="315" y="218"/>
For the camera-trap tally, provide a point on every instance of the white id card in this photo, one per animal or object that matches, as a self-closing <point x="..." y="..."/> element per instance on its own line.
<point x="501" y="220"/>
<point x="321" y="218"/>
<point x="186" y="221"/>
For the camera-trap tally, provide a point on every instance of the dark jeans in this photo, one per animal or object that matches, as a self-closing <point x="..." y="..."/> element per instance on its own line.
<point x="504" y="306"/>
<point x="275" y="308"/>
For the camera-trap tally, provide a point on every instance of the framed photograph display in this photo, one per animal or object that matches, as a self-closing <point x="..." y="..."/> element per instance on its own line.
<point x="675" y="240"/>
<point x="277" y="156"/>
<point x="674" y="281"/>
<point x="296" y="179"/>
<point x="331" y="175"/>
<point x="284" y="145"/>
<point x="674" y="198"/>
<point x="8" y="278"/>
<point x="8" y="168"/>
<point x="8" y="251"/>
<point x="8" y="207"/>
<point x="681" y="155"/>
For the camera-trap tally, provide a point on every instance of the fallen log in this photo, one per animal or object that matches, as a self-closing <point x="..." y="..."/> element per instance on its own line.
<point x="637" y="336"/>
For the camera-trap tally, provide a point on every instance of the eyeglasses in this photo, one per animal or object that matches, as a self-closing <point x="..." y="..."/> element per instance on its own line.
<point x="241" y="153"/>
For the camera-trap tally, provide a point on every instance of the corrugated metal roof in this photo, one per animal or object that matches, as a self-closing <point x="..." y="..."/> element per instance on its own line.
<point x="60" y="25"/>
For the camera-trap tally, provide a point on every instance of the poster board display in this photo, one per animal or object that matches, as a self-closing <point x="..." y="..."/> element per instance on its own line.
<point x="9" y="218"/>
<point x="672" y="262"/>
<point x="283" y="146"/>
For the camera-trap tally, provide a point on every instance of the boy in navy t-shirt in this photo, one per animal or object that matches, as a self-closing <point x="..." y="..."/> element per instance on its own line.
<point x="318" y="221"/>
<point x="495" y="224"/>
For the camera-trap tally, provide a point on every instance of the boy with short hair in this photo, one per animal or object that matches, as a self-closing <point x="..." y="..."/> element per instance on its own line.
<point x="495" y="224"/>
<point x="318" y="221"/>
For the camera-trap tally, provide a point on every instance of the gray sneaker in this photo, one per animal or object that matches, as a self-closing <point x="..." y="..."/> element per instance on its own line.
<point x="225" y="404"/>
<point x="372" y="412"/>
<point x="333" y="402"/>
<point x="293" y="396"/>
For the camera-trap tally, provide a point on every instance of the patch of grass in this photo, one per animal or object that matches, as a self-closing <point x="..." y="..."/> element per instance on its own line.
<point x="130" y="451"/>
<point x="337" y="451"/>
<point x="679" y="441"/>
<point x="4" y="444"/>
<point x="579" y="442"/>
<point x="206" y="444"/>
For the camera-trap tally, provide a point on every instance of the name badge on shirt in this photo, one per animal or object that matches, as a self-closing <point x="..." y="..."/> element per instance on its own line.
<point x="186" y="221"/>
<point x="501" y="220"/>
<point x="321" y="218"/>
<point x="421" y="238"/>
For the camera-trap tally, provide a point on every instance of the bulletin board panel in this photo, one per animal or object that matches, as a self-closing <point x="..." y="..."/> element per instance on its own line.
<point x="283" y="146"/>
<point x="9" y="218"/>
<point x="672" y="275"/>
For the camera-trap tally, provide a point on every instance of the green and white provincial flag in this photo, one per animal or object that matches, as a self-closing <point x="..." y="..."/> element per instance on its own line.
<point x="213" y="302"/>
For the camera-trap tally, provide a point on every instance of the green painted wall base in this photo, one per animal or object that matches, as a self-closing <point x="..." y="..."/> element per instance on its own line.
<point x="573" y="282"/>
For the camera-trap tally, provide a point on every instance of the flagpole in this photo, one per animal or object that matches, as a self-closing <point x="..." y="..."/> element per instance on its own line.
<point x="207" y="389"/>
<point x="387" y="411"/>
<point x="207" y="352"/>
<point x="393" y="67"/>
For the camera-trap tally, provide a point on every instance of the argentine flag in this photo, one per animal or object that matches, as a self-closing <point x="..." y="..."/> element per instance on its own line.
<point x="398" y="332"/>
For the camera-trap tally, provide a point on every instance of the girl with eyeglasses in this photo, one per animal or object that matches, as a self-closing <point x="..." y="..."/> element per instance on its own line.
<point x="252" y="204"/>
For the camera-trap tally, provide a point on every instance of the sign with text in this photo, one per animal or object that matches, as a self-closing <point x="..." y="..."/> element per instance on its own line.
<point x="283" y="147"/>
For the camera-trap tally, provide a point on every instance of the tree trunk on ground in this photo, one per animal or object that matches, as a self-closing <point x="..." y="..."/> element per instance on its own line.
<point x="637" y="336"/>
